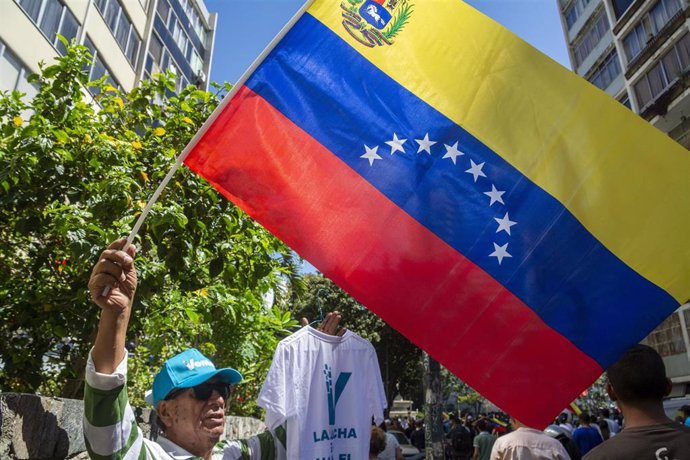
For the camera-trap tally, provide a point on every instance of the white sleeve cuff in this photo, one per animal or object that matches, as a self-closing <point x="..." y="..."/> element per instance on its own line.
<point x="106" y="382"/>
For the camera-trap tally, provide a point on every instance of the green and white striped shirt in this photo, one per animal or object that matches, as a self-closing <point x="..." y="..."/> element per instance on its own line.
<point x="111" y="432"/>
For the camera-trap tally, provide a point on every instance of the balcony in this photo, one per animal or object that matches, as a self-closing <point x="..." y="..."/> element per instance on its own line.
<point x="655" y="42"/>
<point x="627" y="15"/>
<point x="659" y="105"/>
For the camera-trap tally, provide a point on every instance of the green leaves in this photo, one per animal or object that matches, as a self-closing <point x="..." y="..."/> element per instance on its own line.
<point x="72" y="179"/>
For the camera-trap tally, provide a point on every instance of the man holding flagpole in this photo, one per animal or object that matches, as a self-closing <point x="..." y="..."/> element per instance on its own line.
<point x="189" y="393"/>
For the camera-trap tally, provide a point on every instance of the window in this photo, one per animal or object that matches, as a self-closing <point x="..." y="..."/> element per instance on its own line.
<point x="574" y="11"/>
<point x="663" y="11"/>
<point x="124" y="32"/>
<point x="592" y="37"/>
<point x="52" y="18"/>
<point x="649" y="26"/>
<point x="133" y="46"/>
<point x="69" y="28"/>
<point x="98" y="68"/>
<point x="195" y="20"/>
<point x="155" y="54"/>
<point x="32" y="8"/>
<point x="635" y="41"/>
<point x="607" y="71"/>
<point x="620" y="6"/>
<point x="196" y="63"/>
<point x="163" y="9"/>
<point x="13" y="75"/>
<point x="10" y="69"/>
<point x="664" y="73"/>
<point x="625" y="100"/>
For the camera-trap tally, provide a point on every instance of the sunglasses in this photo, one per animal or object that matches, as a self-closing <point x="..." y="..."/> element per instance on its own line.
<point x="203" y="391"/>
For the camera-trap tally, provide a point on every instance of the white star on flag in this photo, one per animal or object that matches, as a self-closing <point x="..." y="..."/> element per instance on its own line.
<point x="452" y="152"/>
<point x="500" y="252"/>
<point x="396" y="144"/>
<point x="495" y="195"/>
<point x="371" y="154"/>
<point x="425" y="144"/>
<point x="476" y="170"/>
<point x="504" y="224"/>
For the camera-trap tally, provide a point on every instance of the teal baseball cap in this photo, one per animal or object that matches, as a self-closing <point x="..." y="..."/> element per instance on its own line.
<point x="188" y="369"/>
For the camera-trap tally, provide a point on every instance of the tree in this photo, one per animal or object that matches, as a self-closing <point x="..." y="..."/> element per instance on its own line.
<point x="73" y="177"/>
<point x="400" y="360"/>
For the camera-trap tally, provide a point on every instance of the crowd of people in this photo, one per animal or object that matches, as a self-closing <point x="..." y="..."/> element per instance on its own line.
<point x="189" y="395"/>
<point x="637" y="429"/>
<point x="495" y="436"/>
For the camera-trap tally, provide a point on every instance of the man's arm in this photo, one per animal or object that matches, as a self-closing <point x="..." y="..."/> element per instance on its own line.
<point x="115" y="272"/>
<point x="110" y="429"/>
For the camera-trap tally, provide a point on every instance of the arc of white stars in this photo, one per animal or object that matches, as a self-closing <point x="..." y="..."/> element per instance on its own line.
<point x="452" y="152"/>
<point x="425" y="144"/>
<point x="500" y="252"/>
<point x="476" y="170"/>
<point x="371" y="154"/>
<point x="396" y="144"/>
<point x="504" y="223"/>
<point x="495" y="195"/>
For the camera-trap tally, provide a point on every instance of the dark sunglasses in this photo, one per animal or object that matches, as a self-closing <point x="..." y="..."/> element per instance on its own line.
<point x="203" y="391"/>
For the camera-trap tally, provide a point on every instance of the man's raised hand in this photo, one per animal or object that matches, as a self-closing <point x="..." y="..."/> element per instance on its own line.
<point x="115" y="274"/>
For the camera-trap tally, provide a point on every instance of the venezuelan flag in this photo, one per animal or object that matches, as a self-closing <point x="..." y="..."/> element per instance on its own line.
<point x="506" y="216"/>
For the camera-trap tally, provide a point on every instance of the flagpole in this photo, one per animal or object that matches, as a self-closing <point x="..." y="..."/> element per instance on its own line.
<point x="209" y="121"/>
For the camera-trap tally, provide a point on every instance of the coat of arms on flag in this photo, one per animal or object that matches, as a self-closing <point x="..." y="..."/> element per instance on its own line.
<point x="375" y="22"/>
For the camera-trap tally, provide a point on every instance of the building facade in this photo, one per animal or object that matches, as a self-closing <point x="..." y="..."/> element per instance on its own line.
<point x="638" y="51"/>
<point x="129" y="39"/>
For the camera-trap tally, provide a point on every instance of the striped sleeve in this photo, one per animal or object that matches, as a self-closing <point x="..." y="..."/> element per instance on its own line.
<point x="110" y="429"/>
<point x="264" y="446"/>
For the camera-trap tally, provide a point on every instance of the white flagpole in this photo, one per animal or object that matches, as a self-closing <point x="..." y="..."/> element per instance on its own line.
<point x="209" y="121"/>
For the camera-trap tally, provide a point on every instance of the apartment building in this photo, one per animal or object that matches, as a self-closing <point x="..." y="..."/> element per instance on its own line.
<point x="638" y="51"/>
<point x="129" y="39"/>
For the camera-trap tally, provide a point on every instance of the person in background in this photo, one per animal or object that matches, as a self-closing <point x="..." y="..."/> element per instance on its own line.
<point x="564" y="421"/>
<point x="685" y="410"/>
<point x="392" y="450"/>
<point x="638" y="384"/>
<point x="605" y="415"/>
<point x="526" y="443"/>
<point x="586" y="437"/>
<point x="483" y="442"/>
<point x="459" y="441"/>
<point x="603" y="429"/>
<point x="377" y="442"/>
<point x="418" y="437"/>
<point x="562" y="435"/>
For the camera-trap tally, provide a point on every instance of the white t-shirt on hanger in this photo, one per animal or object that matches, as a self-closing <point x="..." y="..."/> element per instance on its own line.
<point x="327" y="388"/>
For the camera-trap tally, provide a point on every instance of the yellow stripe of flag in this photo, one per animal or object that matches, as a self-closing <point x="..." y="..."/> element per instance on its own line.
<point x="615" y="172"/>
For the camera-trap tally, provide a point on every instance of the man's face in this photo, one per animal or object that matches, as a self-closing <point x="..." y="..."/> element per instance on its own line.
<point x="192" y="421"/>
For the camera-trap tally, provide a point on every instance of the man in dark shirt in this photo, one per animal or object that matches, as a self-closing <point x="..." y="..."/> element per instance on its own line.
<point x="638" y="383"/>
<point x="417" y="438"/>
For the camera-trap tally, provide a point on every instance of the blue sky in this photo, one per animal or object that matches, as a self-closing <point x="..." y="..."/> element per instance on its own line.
<point x="245" y="27"/>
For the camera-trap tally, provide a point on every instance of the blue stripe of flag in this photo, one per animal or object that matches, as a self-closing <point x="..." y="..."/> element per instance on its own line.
<point x="573" y="282"/>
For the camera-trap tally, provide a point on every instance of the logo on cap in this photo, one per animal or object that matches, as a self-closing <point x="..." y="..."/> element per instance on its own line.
<point x="191" y="364"/>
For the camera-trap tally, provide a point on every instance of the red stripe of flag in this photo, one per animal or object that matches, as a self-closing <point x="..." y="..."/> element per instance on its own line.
<point x="387" y="260"/>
